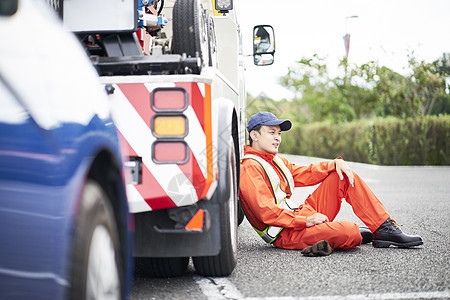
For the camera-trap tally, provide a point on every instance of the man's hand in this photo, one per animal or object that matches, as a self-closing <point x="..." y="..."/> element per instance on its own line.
<point x="342" y="167"/>
<point x="316" y="218"/>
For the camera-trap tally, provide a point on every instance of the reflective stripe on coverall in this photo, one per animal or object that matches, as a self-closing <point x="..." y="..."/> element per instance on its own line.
<point x="270" y="233"/>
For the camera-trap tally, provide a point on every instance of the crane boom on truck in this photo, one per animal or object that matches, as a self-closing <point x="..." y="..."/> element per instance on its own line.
<point x="174" y="71"/>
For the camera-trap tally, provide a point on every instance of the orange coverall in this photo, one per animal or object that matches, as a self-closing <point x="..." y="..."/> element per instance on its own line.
<point x="261" y="209"/>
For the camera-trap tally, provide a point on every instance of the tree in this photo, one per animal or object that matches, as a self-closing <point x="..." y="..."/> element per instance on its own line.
<point x="442" y="104"/>
<point x="260" y="103"/>
<point x="340" y="99"/>
<point x="366" y="91"/>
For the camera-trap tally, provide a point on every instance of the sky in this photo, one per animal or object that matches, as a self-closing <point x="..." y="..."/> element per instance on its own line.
<point x="385" y="31"/>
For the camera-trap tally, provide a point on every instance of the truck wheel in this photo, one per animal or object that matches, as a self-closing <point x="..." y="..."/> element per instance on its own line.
<point x="190" y="29"/>
<point x="224" y="263"/>
<point x="96" y="270"/>
<point x="162" y="266"/>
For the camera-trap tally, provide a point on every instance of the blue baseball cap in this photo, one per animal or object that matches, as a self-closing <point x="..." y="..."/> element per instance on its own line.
<point x="267" y="118"/>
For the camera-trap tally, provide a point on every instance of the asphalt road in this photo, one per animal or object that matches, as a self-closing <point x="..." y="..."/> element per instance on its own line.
<point x="418" y="198"/>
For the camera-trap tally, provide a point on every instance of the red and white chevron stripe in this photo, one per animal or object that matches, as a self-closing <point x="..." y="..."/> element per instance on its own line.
<point x="165" y="185"/>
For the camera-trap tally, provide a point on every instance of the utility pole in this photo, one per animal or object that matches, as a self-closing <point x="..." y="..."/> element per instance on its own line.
<point x="347" y="43"/>
<point x="347" y="35"/>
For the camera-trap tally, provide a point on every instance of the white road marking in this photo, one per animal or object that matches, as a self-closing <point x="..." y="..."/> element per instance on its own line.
<point x="415" y="295"/>
<point x="219" y="288"/>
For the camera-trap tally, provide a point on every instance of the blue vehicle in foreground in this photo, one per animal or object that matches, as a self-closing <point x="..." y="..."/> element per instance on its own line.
<point x="64" y="221"/>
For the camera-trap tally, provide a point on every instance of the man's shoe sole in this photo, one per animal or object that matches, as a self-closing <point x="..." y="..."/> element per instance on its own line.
<point x="386" y="244"/>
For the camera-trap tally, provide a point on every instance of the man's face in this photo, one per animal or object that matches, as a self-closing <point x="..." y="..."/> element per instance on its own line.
<point x="268" y="139"/>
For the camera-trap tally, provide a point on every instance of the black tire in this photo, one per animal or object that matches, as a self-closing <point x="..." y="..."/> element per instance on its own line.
<point x="162" y="266"/>
<point x="240" y="211"/>
<point x="241" y="214"/>
<point x="96" y="236"/>
<point x="224" y="263"/>
<point x="190" y="33"/>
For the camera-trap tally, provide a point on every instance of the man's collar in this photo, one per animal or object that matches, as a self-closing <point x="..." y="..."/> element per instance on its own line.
<point x="265" y="155"/>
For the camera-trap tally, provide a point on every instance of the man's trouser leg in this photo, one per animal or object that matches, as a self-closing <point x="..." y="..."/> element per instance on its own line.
<point x="340" y="235"/>
<point x="327" y="199"/>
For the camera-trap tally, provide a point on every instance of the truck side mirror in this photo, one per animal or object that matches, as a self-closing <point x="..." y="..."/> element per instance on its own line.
<point x="263" y="45"/>
<point x="8" y="7"/>
<point x="223" y="6"/>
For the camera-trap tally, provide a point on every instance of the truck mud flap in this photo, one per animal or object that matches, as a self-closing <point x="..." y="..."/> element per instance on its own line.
<point x="158" y="236"/>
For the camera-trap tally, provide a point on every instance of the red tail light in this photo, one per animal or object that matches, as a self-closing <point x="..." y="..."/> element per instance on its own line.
<point x="169" y="99"/>
<point x="170" y="152"/>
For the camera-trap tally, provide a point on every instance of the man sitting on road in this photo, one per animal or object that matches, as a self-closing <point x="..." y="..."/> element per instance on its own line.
<point x="267" y="182"/>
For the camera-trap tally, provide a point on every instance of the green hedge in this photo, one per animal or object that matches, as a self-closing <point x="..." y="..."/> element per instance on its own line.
<point x="382" y="141"/>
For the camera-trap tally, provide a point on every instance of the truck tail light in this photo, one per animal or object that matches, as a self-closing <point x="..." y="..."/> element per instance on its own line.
<point x="170" y="152"/>
<point x="169" y="125"/>
<point x="169" y="99"/>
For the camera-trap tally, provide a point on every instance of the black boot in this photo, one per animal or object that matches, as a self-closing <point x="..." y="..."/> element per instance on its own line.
<point x="390" y="234"/>
<point x="366" y="234"/>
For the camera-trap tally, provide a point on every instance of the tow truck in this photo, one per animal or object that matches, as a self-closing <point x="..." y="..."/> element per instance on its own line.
<point x="174" y="71"/>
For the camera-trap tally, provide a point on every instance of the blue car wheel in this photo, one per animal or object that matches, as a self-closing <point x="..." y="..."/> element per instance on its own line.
<point x="96" y="265"/>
